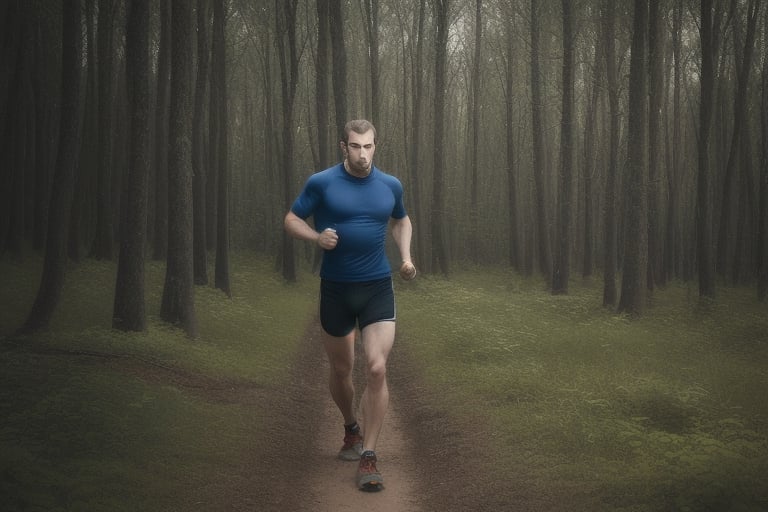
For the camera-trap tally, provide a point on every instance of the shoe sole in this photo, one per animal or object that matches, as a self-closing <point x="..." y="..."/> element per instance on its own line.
<point x="372" y="487"/>
<point x="353" y="454"/>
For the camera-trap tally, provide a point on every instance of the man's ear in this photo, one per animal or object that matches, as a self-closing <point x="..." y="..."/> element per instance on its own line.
<point x="343" y="148"/>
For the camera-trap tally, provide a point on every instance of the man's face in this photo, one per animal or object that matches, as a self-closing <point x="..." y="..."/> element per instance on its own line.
<point x="359" y="152"/>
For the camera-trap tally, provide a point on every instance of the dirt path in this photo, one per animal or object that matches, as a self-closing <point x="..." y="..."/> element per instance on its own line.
<point x="333" y="481"/>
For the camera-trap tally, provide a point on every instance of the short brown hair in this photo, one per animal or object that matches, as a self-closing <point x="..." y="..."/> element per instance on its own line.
<point x="360" y="126"/>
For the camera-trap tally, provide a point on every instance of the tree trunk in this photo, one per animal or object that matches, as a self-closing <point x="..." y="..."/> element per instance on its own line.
<point x="321" y="85"/>
<point x="537" y="106"/>
<point x="130" y="309"/>
<point x="340" y="86"/>
<point x="473" y="240"/>
<point x="221" y="277"/>
<point x="103" y="243"/>
<point x="372" y="24"/>
<point x="726" y="240"/>
<point x="289" y="70"/>
<point x="160" y="245"/>
<point x="673" y="246"/>
<point x="590" y="158"/>
<point x="561" y="269"/>
<point x="655" y="146"/>
<point x="634" y="275"/>
<point x="439" y="251"/>
<point x="703" y="193"/>
<point x="199" y="171"/>
<point x="178" y="303"/>
<point x="54" y="265"/>
<point x="421" y="242"/>
<point x="514" y="237"/>
<point x="762" y="229"/>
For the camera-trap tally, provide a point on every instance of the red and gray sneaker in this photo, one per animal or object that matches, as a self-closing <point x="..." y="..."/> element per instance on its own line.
<point x="353" y="446"/>
<point x="368" y="477"/>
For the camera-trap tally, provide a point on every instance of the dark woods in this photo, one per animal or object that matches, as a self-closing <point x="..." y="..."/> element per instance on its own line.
<point x="624" y="138"/>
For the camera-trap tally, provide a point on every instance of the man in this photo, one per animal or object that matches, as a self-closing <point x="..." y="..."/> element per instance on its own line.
<point x="352" y="204"/>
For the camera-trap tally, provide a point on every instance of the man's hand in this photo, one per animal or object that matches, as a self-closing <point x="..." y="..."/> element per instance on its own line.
<point x="328" y="239"/>
<point x="407" y="271"/>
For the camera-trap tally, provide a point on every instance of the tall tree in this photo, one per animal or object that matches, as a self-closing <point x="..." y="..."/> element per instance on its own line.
<point x="160" y="244"/>
<point x="289" y="71"/>
<point x="417" y="86"/>
<point x="54" y="265"/>
<point x="762" y="229"/>
<point x="199" y="172"/>
<point x="439" y="250"/>
<point x="103" y="242"/>
<point x="372" y="31"/>
<point x="340" y="85"/>
<point x="219" y="92"/>
<point x="634" y="275"/>
<point x="178" y="303"/>
<point x="509" y="101"/>
<point x="656" y="47"/>
<point x="589" y="156"/>
<point x="561" y="268"/>
<point x="675" y="171"/>
<point x="321" y="84"/>
<point x="703" y="188"/>
<point x="726" y="240"/>
<point x="130" y="308"/>
<point x="539" y="166"/>
<point x="474" y="238"/>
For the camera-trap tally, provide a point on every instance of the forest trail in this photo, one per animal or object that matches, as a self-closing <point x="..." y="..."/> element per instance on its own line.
<point x="332" y="481"/>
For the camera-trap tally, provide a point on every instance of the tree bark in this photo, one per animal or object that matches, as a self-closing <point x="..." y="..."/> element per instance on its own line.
<point x="130" y="309"/>
<point x="561" y="268"/>
<point x="537" y="106"/>
<point x="221" y="277"/>
<point x="340" y="86"/>
<point x="199" y="171"/>
<point x="103" y="243"/>
<point x="634" y="274"/>
<point x="726" y="240"/>
<point x="160" y="245"/>
<point x="514" y="237"/>
<point x="655" y="146"/>
<point x="178" y="302"/>
<point x="703" y="192"/>
<point x="439" y="251"/>
<point x="321" y="85"/>
<point x="54" y="265"/>
<point x="289" y="70"/>
<point x="762" y="227"/>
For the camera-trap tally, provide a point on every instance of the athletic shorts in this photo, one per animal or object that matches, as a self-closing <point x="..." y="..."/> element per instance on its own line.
<point x="343" y="305"/>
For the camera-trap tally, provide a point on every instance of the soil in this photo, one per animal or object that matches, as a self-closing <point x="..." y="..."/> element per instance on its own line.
<point x="427" y="463"/>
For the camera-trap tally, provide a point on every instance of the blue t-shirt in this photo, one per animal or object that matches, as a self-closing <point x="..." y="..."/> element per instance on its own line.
<point x="359" y="210"/>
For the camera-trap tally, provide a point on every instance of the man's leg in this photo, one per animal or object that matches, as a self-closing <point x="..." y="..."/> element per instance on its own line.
<point x="378" y="339"/>
<point x="341" y="360"/>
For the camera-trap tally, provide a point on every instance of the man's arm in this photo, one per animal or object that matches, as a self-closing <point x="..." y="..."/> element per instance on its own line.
<point x="402" y="230"/>
<point x="298" y="228"/>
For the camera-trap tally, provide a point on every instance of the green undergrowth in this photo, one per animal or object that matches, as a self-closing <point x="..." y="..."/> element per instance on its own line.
<point x="665" y="412"/>
<point x="77" y="433"/>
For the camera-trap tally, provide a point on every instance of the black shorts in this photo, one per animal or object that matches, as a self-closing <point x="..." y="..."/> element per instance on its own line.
<point x="344" y="305"/>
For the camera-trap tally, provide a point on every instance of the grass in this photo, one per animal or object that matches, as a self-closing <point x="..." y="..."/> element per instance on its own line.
<point x="662" y="413"/>
<point x="667" y="412"/>
<point x="77" y="435"/>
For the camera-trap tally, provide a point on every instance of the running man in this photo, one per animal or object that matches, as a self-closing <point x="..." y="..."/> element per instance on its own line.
<point x="352" y="204"/>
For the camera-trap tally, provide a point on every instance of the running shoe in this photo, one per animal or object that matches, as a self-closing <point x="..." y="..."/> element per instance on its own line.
<point x="353" y="447"/>
<point x="368" y="477"/>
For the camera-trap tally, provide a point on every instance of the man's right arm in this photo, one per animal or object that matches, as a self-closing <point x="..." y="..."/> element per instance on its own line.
<point x="298" y="228"/>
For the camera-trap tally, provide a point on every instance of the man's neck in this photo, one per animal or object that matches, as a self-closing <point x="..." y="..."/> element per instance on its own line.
<point x="356" y="174"/>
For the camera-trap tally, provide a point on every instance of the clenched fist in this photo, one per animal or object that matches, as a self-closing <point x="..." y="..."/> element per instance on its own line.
<point x="407" y="271"/>
<point x="328" y="239"/>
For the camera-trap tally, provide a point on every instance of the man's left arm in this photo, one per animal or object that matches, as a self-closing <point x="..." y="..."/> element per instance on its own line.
<point x="402" y="230"/>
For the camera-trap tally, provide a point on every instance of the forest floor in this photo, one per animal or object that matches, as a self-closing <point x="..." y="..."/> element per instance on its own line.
<point x="295" y="467"/>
